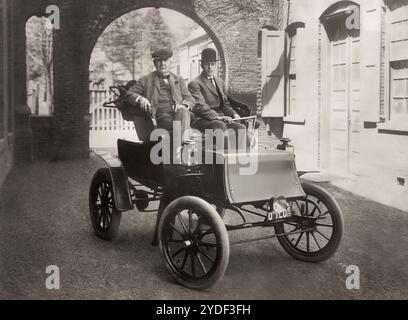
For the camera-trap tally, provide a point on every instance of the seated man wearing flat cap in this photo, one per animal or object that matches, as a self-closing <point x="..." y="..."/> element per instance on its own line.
<point x="212" y="109"/>
<point x="163" y="95"/>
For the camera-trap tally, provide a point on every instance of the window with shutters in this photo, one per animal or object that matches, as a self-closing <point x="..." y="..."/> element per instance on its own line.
<point x="399" y="36"/>
<point x="398" y="109"/>
<point x="399" y="91"/>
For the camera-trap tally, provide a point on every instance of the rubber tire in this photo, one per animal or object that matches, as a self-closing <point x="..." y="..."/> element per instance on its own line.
<point x="330" y="249"/>
<point x="102" y="175"/>
<point x="221" y="210"/>
<point x="212" y="216"/>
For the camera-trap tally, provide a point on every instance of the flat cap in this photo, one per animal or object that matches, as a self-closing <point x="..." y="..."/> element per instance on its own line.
<point x="162" y="54"/>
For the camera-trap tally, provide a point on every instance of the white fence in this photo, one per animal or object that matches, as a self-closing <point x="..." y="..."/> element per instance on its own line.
<point x="106" y="124"/>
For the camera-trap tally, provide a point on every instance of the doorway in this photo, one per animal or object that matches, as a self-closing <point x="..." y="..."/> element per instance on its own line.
<point x="344" y="100"/>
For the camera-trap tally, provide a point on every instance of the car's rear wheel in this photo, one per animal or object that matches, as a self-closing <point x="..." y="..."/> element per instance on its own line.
<point x="105" y="218"/>
<point x="319" y="223"/>
<point x="193" y="242"/>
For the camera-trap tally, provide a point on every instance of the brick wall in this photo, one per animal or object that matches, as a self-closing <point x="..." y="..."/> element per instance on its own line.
<point x="43" y="132"/>
<point x="6" y="91"/>
<point x="3" y="70"/>
<point x="233" y="26"/>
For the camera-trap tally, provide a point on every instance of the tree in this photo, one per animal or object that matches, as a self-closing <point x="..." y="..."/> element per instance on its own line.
<point x="130" y="40"/>
<point x="119" y="40"/>
<point x="98" y="69"/>
<point x="157" y="32"/>
<point x="40" y="55"/>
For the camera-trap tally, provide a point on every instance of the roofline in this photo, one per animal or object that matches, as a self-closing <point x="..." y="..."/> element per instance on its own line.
<point x="183" y="44"/>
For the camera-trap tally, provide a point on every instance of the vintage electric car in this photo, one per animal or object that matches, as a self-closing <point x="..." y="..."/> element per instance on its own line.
<point x="194" y="198"/>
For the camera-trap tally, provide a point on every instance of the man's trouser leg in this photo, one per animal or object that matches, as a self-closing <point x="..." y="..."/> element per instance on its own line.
<point x="166" y="120"/>
<point x="144" y="127"/>
<point x="184" y="117"/>
<point x="241" y="135"/>
<point x="214" y="125"/>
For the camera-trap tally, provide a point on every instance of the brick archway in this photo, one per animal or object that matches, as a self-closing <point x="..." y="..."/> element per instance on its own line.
<point x="233" y="31"/>
<point x="105" y="14"/>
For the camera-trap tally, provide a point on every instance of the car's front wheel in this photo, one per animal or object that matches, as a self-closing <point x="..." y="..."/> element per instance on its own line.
<point x="193" y="242"/>
<point x="317" y="224"/>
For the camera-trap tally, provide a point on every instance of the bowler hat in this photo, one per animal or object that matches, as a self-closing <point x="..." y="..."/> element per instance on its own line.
<point x="162" y="54"/>
<point x="208" y="55"/>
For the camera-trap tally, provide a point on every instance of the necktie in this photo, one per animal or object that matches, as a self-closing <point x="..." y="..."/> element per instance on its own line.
<point x="170" y="90"/>
<point x="165" y="78"/>
<point x="212" y="81"/>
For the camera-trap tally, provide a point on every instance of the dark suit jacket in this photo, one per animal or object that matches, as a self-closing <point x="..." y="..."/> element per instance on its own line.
<point x="149" y="87"/>
<point x="208" y="102"/>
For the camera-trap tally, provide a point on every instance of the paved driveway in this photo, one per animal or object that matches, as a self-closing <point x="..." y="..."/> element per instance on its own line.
<point x="44" y="221"/>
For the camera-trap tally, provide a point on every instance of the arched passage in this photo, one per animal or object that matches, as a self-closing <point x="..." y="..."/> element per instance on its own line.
<point x="233" y="30"/>
<point x="120" y="56"/>
<point x="98" y="26"/>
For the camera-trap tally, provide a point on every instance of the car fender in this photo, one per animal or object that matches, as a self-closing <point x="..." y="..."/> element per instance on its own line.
<point x="120" y="181"/>
<point x="302" y="173"/>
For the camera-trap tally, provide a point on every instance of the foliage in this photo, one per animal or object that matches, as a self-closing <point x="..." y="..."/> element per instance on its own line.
<point x="39" y="48"/>
<point x="130" y="40"/>
<point x="232" y="12"/>
<point x="40" y="54"/>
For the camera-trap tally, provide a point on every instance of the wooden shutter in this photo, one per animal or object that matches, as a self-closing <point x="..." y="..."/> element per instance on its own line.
<point x="399" y="34"/>
<point x="371" y="28"/>
<point x="273" y="71"/>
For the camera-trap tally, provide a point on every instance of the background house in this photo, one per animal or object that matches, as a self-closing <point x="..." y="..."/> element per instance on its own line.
<point x="342" y="69"/>
<point x="332" y="80"/>
<point x="189" y="54"/>
<point x="123" y="53"/>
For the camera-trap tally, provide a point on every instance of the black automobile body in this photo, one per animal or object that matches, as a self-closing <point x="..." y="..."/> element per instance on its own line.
<point x="194" y="199"/>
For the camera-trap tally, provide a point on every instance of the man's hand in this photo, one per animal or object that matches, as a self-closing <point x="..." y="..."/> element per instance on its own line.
<point x="180" y="107"/>
<point x="145" y="105"/>
<point x="225" y="119"/>
<point x="236" y="116"/>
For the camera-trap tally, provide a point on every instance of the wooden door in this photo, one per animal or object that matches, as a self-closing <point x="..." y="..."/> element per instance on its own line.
<point x="344" y="98"/>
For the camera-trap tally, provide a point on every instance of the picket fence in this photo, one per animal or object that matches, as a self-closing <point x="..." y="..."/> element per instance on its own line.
<point x="107" y="124"/>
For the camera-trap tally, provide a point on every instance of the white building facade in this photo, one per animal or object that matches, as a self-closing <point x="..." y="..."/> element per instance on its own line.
<point x="189" y="54"/>
<point x="338" y="79"/>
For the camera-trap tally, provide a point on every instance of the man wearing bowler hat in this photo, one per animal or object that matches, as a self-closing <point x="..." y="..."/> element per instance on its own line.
<point x="161" y="95"/>
<point x="212" y="109"/>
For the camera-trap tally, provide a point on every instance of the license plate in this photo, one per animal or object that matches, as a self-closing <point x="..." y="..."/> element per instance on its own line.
<point x="273" y="216"/>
